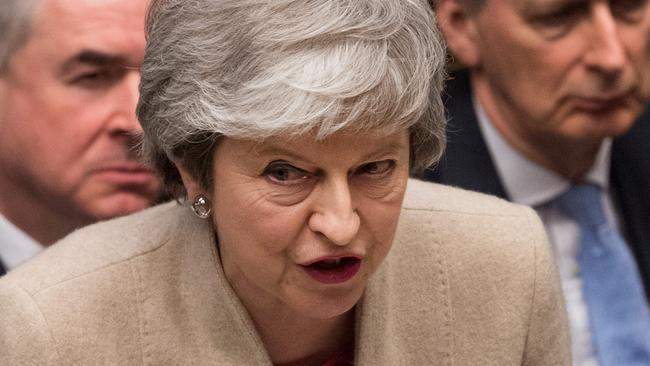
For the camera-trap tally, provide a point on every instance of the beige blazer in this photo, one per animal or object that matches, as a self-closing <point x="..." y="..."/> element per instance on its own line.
<point x="469" y="281"/>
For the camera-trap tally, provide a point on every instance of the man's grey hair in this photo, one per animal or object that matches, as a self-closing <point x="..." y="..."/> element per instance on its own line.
<point x="15" y="24"/>
<point x="254" y="69"/>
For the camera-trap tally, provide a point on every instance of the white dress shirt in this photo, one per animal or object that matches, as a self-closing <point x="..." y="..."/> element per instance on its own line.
<point x="530" y="184"/>
<point x="15" y="246"/>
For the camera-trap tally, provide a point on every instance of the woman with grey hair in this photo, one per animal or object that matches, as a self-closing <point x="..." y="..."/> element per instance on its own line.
<point x="287" y="130"/>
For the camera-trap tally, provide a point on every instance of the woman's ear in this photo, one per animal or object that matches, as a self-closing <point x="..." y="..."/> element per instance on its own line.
<point x="459" y="28"/>
<point x="192" y="186"/>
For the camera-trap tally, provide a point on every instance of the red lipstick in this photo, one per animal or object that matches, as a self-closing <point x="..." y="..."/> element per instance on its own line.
<point x="333" y="270"/>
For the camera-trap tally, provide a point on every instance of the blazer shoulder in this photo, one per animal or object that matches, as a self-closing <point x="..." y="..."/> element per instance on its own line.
<point x="488" y="266"/>
<point x="24" y="337"/>
<point x="450" y="215"/>
<point x="461" y="223"/>
<point x="97" y="246"/>
<point x="421" y="195"/>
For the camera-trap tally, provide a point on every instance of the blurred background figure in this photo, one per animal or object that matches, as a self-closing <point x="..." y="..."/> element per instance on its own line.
<point x="69" y="74"/>
<point x="544" y="116"/>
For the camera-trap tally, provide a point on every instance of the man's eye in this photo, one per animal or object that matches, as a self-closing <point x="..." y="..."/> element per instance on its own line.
<point x="377" y="167"/>
<point x="557" y="23"/>
<point x="628" y="10"/>
<point x="283" y="173"/>
<point x="96" y="79"/>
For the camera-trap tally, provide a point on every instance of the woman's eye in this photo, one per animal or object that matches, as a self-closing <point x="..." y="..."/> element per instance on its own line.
<point x="377" y="168"/>
<point x="283" y="173"/>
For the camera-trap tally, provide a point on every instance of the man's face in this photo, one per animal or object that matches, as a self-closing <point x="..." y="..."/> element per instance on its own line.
<point x="562" y="70"/>
<point x="67" y="113"/>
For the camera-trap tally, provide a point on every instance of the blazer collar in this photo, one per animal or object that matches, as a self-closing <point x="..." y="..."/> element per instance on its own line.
<point x="186" y="303"/>
<point x="392" y="327"/>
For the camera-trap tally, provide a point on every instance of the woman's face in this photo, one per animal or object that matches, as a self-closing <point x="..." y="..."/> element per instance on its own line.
<point x="302" y="223"/>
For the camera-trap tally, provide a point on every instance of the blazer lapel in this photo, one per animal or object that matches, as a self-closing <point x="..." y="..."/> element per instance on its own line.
<point x="190" y="314"/>
<point x="403" y="320"/>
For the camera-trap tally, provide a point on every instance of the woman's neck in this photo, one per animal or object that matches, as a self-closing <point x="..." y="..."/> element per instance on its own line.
<point x="294" y="340"/>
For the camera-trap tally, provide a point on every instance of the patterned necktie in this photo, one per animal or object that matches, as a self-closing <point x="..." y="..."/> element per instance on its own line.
<point x="619" y="316"/>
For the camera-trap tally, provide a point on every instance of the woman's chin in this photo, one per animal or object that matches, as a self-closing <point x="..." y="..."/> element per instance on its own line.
<point x="327" y="304"/>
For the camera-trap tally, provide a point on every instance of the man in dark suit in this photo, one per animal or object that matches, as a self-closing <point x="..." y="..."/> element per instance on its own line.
<point x="547" y="106"/>
<point x="69" y="73"/>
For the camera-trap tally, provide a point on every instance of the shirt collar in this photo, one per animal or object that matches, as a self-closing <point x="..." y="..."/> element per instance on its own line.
<point x="527" y="182"/>
<point x="16" y="246"/>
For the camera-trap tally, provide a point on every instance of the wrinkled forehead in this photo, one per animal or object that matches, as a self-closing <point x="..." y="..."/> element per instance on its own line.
<point x="78" y="16"/>
<point x="89" y="29"/>
<point x="349" y="143"/>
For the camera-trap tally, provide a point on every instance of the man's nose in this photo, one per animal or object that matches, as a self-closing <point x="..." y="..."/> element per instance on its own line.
<point x="123" y="120"/>
<point x="606" y="53"/>
<point x="334" y="215"/>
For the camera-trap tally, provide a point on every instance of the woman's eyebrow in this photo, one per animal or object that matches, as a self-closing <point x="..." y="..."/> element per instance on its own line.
<point x="389" y="148"/>
<point x="279" y="150"/>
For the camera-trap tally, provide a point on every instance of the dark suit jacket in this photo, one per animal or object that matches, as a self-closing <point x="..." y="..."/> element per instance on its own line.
<point x="468" y="164"/>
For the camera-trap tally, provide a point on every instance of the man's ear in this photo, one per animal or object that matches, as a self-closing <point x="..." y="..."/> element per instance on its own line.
<point x="192" y="187"/>
<point x="458" y="25"/>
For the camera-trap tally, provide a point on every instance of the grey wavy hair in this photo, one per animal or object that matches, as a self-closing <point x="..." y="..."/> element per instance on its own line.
<point x="253" y="69"/>
<point x="15" y="24"/>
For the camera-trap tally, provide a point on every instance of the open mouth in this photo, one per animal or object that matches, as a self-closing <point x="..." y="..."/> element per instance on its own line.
<point x="333" y="270"/>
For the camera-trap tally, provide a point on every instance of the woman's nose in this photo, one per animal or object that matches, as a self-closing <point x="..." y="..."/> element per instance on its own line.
<point x="334" y="215"/>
